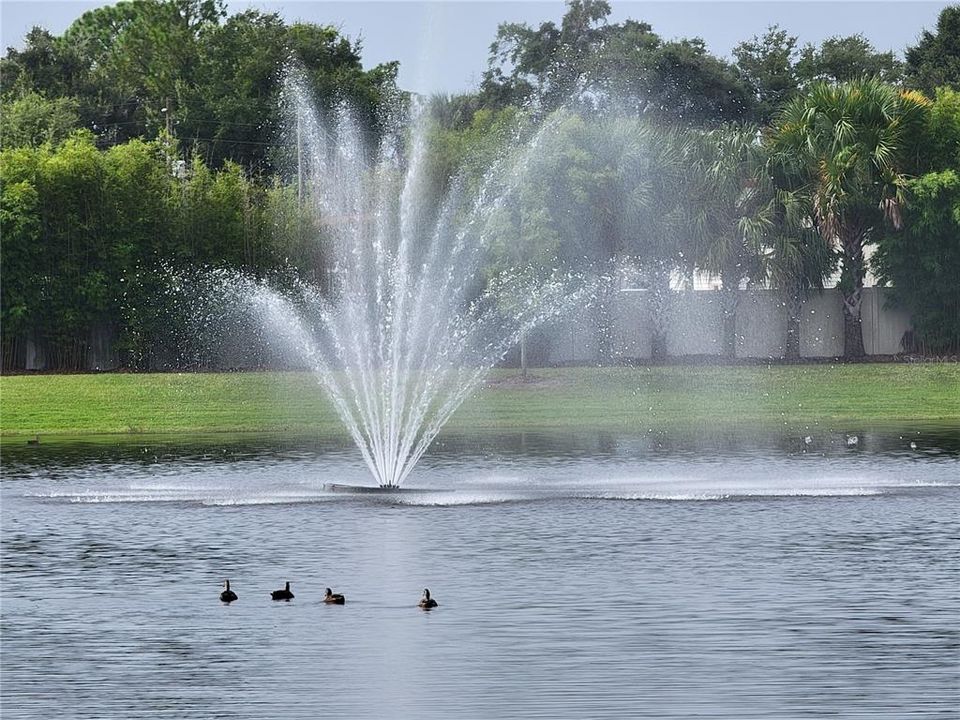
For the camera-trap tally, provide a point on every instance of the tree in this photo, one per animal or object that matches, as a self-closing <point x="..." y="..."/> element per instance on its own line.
<point x="730" y="213"/>
<point x="59" y="287"/>
<point x="796" y="261"/>
<point x="90" y="237"/>
<point x="231" y="110"/>
<point x="591" y="62"/>
<point x="935" y="60"/>
<point x="523" y="237"/>
<point x="550" y="61"/>
<point x="20" y="231"/>
<point x="520" y="61"/>
<point x="767" y="64"/>
<point x="940" y="147"/>
<point x="181" y="67"/>
<point x="34" y="120"/>
<point x="922" y="261"/>
<point x="333" y="66"/>
<point x="616" y="196"/>
<point x="687" y="85"/>
<point x="658" y="223"/>
<point x="847" y="149"/>
<point x="465" y="141"/>
<point x="47" y="66"/>
<point x="140" y="200"/>
<point x="93" y="221"/>
<point x="843" y="59"/>
<point x="776" y="71"/>
<point x="140" y="58"/>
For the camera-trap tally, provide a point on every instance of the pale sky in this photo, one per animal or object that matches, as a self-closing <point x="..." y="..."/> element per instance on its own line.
<point x="443" y="46"/>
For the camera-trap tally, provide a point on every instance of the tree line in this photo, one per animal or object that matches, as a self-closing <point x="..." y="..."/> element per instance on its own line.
<point x="150" y="135"/>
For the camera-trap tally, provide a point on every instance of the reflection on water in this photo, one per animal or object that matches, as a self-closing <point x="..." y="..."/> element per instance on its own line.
<point x="922" y="441"/>
<point x="724" y="576"/>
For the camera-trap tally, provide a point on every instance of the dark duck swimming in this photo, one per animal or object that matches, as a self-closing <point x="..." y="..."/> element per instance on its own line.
<point x="334" y="598"/>
<point x="284" y="594"/>
<point x="227" y="595"/>
<point x="427" y="602"/>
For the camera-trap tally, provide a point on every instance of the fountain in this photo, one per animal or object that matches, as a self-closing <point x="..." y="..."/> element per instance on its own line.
<point x="408" y="325"/>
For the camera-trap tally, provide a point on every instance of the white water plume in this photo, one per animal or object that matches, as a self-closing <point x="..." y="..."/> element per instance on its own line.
<point x="410" y="325"/>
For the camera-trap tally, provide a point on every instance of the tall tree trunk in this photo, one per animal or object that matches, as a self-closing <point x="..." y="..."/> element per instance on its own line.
<point x="523" y="355"/>
<point x="660" y="286"/>
<point x="658" y="346"/>
<point x="606" y="294"/>
<point x="729" y="301"/>
<point x="729" y="339"/>
<point x="851" y="282"/>
<point x="791" y="345"/>
<point x="852" y="326"/>
<point x="728" y="306"/>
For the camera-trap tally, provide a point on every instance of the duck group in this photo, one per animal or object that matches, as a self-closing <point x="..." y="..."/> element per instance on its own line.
<point x="330" y="598"/>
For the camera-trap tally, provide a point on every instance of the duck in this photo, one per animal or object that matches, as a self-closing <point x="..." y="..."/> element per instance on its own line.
<point x="334" y="598"/>
<point x="228" y="595"/>
<point x="284" y="594"/>
<point x="427" y="602"/>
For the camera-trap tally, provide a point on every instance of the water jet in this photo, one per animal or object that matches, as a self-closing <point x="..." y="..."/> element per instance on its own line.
<point x="407" y="324"/>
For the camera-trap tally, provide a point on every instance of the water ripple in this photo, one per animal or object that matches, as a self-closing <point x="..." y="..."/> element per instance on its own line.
<point x="756" y="588"/>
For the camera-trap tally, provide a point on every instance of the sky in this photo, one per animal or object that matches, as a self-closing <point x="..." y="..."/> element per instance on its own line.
<point x="443" y="46"/>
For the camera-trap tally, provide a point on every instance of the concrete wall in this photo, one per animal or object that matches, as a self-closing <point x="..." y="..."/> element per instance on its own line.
<point x="821" y="325"/>
<point x="883" y="328"/>
<point x="761" y="324"/>
<point x="572" y="341"/>
<point x="633" y="325"/>
<point x="694" y="325"/>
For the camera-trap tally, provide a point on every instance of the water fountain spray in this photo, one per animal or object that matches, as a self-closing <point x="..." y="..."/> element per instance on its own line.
<point x="409" y="325"/>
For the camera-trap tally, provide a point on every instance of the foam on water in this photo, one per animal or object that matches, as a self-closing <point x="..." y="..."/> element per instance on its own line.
<point x="279" y="477"/>
<point x="477" y="491"/>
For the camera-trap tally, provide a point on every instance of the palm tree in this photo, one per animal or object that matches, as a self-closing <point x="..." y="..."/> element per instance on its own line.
<point x="639" y="203"/>
<point x="730" y="213"/>
<point x="617" y="182"/>
<point x="796" y="261"/>
<point x="845" y="148"/>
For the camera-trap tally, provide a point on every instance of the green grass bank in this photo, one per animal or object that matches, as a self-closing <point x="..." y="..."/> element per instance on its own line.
<point x="616" y="399"/>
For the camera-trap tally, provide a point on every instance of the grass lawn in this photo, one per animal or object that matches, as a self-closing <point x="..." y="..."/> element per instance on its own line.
<point x="616" y="399"/>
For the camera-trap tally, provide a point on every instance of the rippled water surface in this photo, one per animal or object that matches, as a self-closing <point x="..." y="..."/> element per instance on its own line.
<point x="578" y="577"/>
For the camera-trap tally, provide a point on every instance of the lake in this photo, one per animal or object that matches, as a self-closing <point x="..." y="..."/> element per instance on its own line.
<point x="729" y="574"/>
